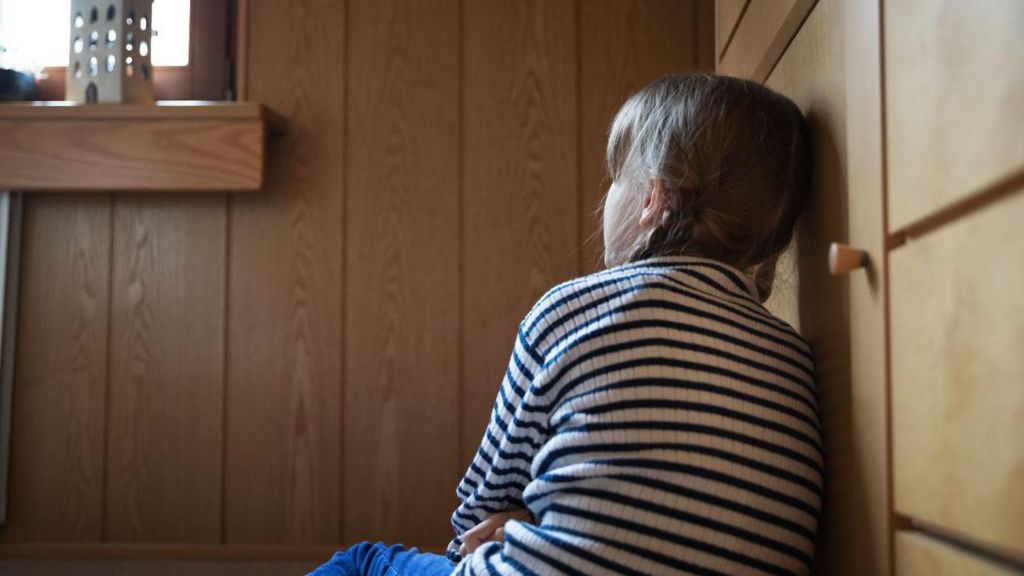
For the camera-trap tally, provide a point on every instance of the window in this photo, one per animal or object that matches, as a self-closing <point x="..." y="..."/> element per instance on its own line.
<point x="35" y="37"/>
<point x="171" y="32"/>
<point x="188" y="51"/>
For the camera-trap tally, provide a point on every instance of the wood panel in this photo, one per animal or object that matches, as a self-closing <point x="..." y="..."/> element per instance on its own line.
<point x="727" y="16"/>
<point x="703" y="34"/>
<point x="283" y="455"/>
<point x="954" y="83"/>
<point x="861" y="523"/>
<point x="764" y="31"/>
<point x="226" y="418"/>
<point x="401" y="294"/>
<point x="520" y="185"/>
<point x="152" y="568"/>
<point x="918" y="554"/>
<point x="166" y="370"/>
<point x="59" y="408"/>
<point x="957" y="336"/>
<point x="623" y="47"/>
<point x="843" y="318"/>
<point x="134" y="148"/>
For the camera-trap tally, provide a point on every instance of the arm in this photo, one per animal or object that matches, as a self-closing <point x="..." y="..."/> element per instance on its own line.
<point x="500" y="469"/>
<point x="491" y="530"/>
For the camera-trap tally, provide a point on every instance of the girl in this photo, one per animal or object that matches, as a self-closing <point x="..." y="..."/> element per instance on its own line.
<point x="655" y="418"/>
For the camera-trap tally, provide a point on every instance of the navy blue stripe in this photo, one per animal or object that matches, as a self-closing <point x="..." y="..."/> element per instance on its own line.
<point x="499" y="488"/>
<point x="504" y="500"/>
<point x="490" y="485"/>
<point x="645" y="362"/>
<point x="634" y="343"/>
<point x="691" y="493"/>
<point x="635" y="447"/>
<point x="519" y="566"/>
<point x="468" y="517"/>
<point x="649" y="304"/>
<point x="690" y="518"/>
<point x="670" y="537"/>
<point x="513" y="411"/>
<point x="515" y="543"/>
<point x="701" y="472"/>
<point x="503" y="454"/>
<point x="683" y="405"/>
<point x="510" y="438"/>
<point x="521" y="366"/>
<point x="514" y="440"/>
<point x="669" y="325"/>
<point x="651" y="555"/>
<point x="673" y="286"/>
<point x="537" y="358"/>
<point x="597" y="282"/>
<point x="519" y="423"/>
<point x="591" y="283"/>
<point x="744" y="295"/>
<point x="677" y="384"/>
<point x="510" y="379"/>
<point x="487" y="484"/>
<point x="648" y="425"/>
<point x="575" y="550"/>
<point x="732" y="277"/>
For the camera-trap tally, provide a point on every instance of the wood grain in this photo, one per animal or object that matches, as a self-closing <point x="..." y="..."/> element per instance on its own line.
<point x="954" y="84"/>
<point x="957" y="336"/>
<point x="401" y="406"/>
<point x="131" y="154"/>
<point x="843" y="318"/>
<point x="150" y="551"/>
<point x="764" y="31"/>
<point x="918" y="554"/>
<point x="154" y="568"/>
<point x="283" y="455"/>
<point x="166" y="110"/>
<point x="520" y="195"/>
<point x="166" y="370"/>
<point x="623" y="47"/>
<point x="57" y="458"/>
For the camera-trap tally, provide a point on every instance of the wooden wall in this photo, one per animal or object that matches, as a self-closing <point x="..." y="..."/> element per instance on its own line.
<point x="314" y="364"/>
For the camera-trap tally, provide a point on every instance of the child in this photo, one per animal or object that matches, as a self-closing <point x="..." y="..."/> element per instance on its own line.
<point x="655" y="418"/>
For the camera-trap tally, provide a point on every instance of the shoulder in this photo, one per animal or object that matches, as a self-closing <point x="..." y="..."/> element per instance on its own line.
<point x="575" y="296"/>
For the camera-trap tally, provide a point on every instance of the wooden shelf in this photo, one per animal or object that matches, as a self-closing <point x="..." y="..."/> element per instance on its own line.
<point x="182" y="146"/>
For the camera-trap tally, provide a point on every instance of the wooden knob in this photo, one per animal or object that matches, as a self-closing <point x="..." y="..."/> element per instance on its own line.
<point x="843" y="258"/>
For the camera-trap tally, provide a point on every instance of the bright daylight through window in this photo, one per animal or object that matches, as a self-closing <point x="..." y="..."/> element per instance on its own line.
<point x="34" y="34"/>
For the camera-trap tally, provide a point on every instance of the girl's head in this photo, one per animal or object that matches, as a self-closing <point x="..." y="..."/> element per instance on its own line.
<point x="707" y="166"/>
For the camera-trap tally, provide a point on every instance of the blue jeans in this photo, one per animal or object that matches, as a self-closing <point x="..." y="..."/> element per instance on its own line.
<point x="366" y="559"/>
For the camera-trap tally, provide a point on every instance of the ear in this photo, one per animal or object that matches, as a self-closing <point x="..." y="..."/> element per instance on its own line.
<point x="654" y="203"/>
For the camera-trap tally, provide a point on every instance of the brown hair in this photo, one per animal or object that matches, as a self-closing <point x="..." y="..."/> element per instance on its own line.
<point x="735" y="159"/>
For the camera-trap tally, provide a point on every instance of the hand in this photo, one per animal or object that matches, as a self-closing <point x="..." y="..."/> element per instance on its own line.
<point x="492" y="529"/>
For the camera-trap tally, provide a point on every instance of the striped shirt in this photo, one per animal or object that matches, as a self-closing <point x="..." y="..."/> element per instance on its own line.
<point x="654" y="418"/>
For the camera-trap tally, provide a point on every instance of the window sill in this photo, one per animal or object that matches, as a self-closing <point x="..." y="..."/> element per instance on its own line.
<point x="182" y="146"/>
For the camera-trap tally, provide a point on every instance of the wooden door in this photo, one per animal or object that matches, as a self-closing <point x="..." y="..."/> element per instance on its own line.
<point x="842" y="317"/>
<point x="830" y="68"/>
<point x="955" y="182"/>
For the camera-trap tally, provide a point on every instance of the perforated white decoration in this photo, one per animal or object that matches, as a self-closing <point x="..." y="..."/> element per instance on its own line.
<point x="110" y="57"/>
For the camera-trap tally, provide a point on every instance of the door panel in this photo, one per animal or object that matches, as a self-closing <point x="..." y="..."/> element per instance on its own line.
<point x="762" y="34"/>
<point x="957" y="369"/>
<point x="843" y="318"/>
<point x="920" y="555"/>
<point x="954" y="82"/>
